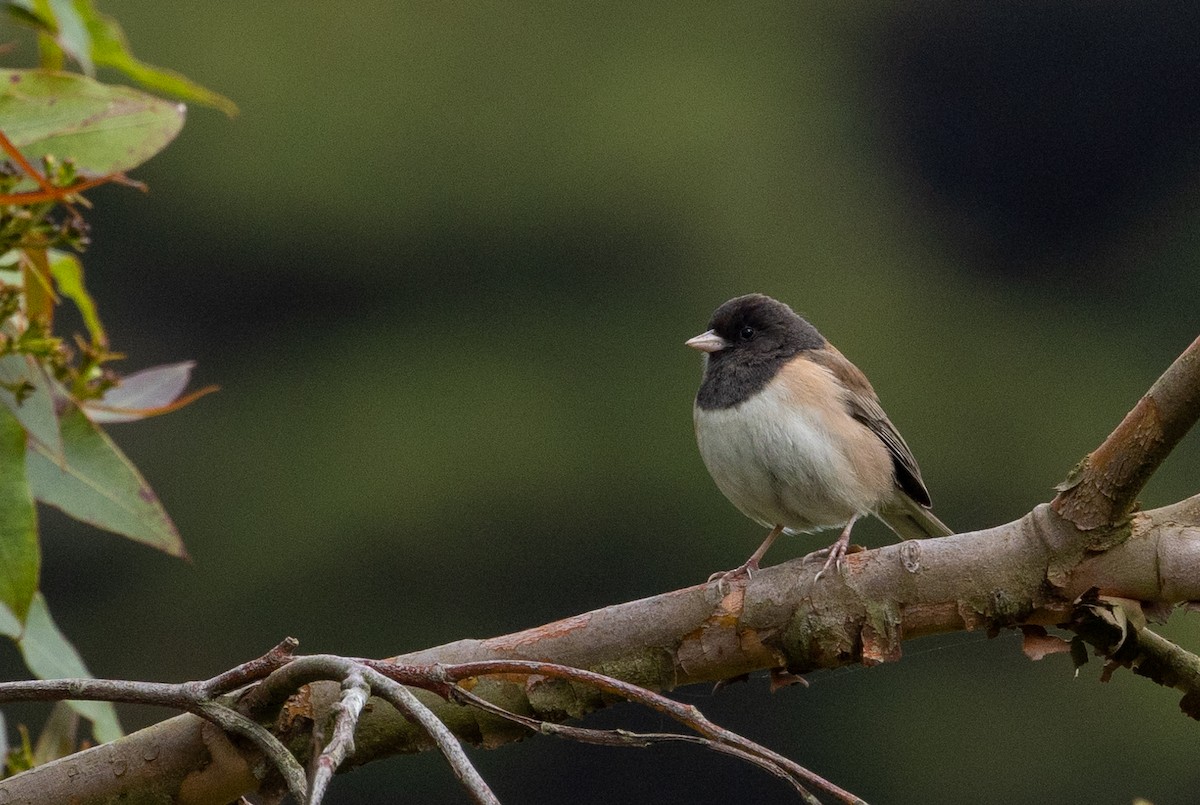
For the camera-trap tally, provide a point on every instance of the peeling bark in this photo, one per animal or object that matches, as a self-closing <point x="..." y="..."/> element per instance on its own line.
<point x="1105" y="485"/>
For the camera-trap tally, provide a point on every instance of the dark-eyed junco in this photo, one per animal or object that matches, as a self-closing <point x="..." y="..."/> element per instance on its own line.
<point x="794" y="435"/>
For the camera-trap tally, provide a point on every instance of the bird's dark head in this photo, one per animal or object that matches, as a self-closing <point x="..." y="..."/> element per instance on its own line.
<point x="749" y="339"/>
<point x="756" y="327"/>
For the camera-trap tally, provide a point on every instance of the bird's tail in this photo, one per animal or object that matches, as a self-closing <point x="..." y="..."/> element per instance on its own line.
<point x="911" y="520"/>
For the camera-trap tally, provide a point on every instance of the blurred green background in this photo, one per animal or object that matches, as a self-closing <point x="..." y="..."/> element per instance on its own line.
<point x="443" y="265"/>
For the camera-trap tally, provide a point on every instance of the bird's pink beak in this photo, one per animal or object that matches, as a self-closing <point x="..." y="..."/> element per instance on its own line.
<point x="707" y="342"/>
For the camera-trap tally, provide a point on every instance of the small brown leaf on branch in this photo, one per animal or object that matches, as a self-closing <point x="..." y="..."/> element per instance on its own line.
<point x="1037" y="643"/>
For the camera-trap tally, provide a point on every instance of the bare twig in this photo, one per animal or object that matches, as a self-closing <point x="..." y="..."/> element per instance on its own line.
<point x="305" y="670"/>
<point x="1117" y="630"/>
<point x="626" y="738"/>
<point x="1169" y="664"/>
<point x="360" y="678"/>
<point x="355" y="692"/>
<point x="403" y="700"/>
<point x="232" y="721"/>
<point x="254" y="670"/>
<point x="181" y="696"/>
<point x="683" y="713"/>
<point x="199" y="698"/>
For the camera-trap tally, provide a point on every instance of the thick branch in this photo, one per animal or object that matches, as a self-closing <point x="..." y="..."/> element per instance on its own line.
<point x="781" y="618"/>
<point x="1105" y="485"/>
<point x="1028" y="571"/>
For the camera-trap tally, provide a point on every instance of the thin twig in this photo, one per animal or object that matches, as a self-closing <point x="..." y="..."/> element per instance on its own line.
<point x="683" y="713"/>
<point x="305" y="670"/>
<point x="410" y="706"/>
<point x="16" y="156"/>
<point x="355" y="692"/>
<point x="1117" y="631"/>
<point x="626" y="738"/>
<point x="163" y="694"/>
<point x="199" y="698"/>
<point x="1170" y="664"/>
<point x="254" y="670"/>
<point x="232" y="721"/>
<point x="104" y="690"/>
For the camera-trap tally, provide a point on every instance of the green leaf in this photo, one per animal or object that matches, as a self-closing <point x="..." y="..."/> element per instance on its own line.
<point x="92" y="38"/>
<point x="60" y="31"/>
<point x="111" y="49"/>
<point x="9" y="625"/>
<point x="72" y="35"/>
<point x="35" y="408"/>
<point x="50" y="655"/>
<point x="68" y="276"/>
<point x="22" y="12"/>
<point x="20" y="558"/>
<point x="49" y="52"/>
<point x="99" y="485"/>
<point x="59" y="737"/>
<point x="105" y="129"/>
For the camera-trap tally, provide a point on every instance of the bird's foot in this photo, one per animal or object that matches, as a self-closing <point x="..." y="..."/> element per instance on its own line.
<point x="835" y="559"/>
<point x="837" y="550"/>
<point x="724" y="578"/>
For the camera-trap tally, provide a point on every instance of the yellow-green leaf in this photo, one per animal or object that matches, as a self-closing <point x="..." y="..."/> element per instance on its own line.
<point x="105" y="129"/>
<point x="68" y="277"/>
<point x="111" y="49"/>
<point x="20" y="557"/>
<point x="93" y="39"/>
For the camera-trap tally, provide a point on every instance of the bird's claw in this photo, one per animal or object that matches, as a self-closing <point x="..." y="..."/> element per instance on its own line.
<point x="837" y="552"/>
<point x="835" y="558"/>
<point x="724" y="577"/>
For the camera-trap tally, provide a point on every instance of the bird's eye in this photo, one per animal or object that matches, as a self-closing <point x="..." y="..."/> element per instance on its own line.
<point x="746" y="333"/>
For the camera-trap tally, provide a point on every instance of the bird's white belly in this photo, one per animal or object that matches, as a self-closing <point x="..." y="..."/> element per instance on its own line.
<point x="778" y="464"/>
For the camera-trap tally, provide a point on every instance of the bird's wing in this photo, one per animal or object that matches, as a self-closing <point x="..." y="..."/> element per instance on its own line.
<point x="863" y="405"/>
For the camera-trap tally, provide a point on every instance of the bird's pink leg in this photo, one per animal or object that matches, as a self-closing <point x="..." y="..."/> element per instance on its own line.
<point x="838" y="549"/>
<point x="751" y="564"/>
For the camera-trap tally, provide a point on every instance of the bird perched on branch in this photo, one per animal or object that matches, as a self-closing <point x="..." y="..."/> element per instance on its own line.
<point x="794" y="435"/>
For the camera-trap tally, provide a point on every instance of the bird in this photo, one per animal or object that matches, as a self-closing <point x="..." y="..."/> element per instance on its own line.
<point x="794" y="435"/>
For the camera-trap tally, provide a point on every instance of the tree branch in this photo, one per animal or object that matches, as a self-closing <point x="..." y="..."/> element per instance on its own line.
<point x="1029" y="571"/>
<point x="1104" y="487"/>
<point x="1116" y="628"/>
<point x="781" y="618"/>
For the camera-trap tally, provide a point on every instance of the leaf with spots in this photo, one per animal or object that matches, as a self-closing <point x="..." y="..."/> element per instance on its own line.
<point x="104" y="129"/>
